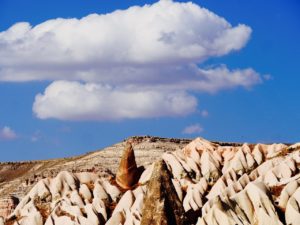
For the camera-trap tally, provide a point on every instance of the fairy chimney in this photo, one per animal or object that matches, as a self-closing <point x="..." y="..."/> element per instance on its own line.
<point x="128" y="172"/>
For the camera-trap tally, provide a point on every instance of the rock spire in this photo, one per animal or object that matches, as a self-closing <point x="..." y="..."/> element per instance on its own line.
<point x="161" y="204"/>
<point x="128" y="173"/>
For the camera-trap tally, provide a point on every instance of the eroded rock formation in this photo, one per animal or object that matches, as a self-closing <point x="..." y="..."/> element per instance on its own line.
<point x="161" y="204"/>
<point x="128" y="173"/>
<point x="7" y="206"/>
<point x="204" y="183"/>
<point x="18" y="178"/>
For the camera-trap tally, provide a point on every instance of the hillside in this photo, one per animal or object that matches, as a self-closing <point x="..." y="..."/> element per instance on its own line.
<point x="17" y="178"/>
<point x="150" y="180"/>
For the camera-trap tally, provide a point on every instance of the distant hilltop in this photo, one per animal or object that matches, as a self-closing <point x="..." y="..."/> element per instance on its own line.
<point x="147" y="180"/>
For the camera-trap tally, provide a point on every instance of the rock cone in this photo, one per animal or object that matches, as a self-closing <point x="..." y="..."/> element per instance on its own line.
<point x="128" y="173"/>
<point x="161" y="204"/>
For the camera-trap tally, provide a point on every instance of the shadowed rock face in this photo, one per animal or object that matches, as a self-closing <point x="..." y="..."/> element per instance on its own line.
<point x="128" y="173"/>
<point x="161" y="204"/>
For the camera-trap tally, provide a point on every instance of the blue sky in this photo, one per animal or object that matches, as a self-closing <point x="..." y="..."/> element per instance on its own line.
<point x="260" y="108"/>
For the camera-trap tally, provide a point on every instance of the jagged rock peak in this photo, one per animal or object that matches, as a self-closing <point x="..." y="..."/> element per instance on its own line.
<point x="161" y="204"/>
<point x="128" y="172"/>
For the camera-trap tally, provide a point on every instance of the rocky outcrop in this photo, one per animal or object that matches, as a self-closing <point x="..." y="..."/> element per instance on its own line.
<point x="128" y="173"/>
<point x="68" y="198"/>
<point x="7" y="206"/>
<point x="161" y="204"/>
<point x="249" y="206"/>
<point x="292" y="213"/>
<point x="204" y="183"/>
<point x="236" y="184"/>
<point x="18" y="178"/>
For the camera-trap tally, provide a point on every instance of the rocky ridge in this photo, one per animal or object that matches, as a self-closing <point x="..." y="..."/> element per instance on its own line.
<point x="17" y="178"/>
<point x="201" y="183"/>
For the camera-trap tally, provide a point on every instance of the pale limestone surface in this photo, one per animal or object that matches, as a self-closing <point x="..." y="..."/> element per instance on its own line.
<point x="215" y="184"/>
<point x="17" y="178"/>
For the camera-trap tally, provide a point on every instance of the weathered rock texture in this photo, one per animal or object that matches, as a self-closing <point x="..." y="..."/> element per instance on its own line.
<point x="7" y="205"/>
<point x="128" y="173"/>
<point x="18" y="178"/>
<point x="161" y="203"/>
<point x="203" y="183"/>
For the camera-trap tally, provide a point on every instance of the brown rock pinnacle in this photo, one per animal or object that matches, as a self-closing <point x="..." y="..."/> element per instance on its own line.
<point x="161" y="203"/>
<point x="128" y="173"/>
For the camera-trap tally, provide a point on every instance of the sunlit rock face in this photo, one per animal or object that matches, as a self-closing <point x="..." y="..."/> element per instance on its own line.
<point x="128" y="173"/>
<point x="204" y="183"/>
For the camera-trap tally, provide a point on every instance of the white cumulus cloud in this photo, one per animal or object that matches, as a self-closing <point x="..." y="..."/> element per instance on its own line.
<point x="152" y="50"/>
<point x="67" y="100"/>
<point x="6" y="133"/>
<point x="193" y="129"/>
<point x="163" y="34"/>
